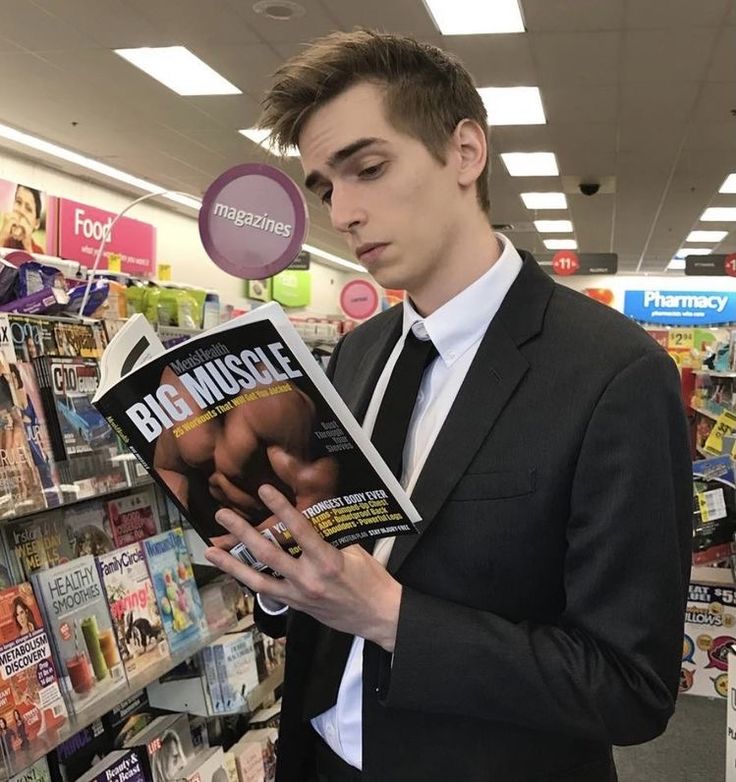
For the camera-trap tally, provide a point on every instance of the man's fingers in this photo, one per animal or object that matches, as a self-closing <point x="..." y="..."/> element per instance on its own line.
<point x="261" y="548"/>
<point x="225" y="542"/>
<point x="308" y="539"/>
<point x="255" y="581"/>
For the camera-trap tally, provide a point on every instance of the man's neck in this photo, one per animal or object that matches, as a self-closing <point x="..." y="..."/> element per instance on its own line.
<point x="468" y="259"/>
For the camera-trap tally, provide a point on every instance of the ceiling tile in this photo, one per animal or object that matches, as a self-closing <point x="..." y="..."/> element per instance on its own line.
<point x="576" y="58"/>
<point x="683" y="14"/>
<point x="572" y="16"/>
<point x="671" y="56"/>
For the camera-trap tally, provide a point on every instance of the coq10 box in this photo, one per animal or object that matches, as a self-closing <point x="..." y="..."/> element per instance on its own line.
<point x="710" y="630"/>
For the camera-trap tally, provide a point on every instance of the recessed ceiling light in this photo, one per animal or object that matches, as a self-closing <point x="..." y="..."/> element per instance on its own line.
<point x="683" y="252"/>
<point x="560" y="244"/>
<point x="706" y="236"/>
<point x="553" y="226"/>
<point x="544" y="200"/>
<point x="676" y="264"/>
<point x="719" y="214"/>
<point x="179" y="70"/>
<point x="469" y="17"/>
<point x="262" y="138"/>
<point x="513" y="105"/>
<point x="279" y="10"/>
<point x="729" y="186"/>
<point x="531" y="163"/>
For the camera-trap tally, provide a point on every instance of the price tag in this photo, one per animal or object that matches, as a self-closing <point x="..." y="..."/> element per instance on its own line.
<point x="725" y="426"/>
<point x="712" y="505"/>
<point x="164" y="271"/>
<point x="114" y="262"/>
<point x="729" y="265"/>
<point x="680" y="339"/>
<point x="565" y="263"/>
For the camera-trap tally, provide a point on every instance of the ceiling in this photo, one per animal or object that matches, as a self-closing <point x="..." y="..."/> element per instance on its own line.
<point x="640" y="92"/>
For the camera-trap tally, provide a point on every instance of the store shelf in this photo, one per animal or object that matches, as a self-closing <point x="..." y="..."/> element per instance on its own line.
<point x="707" y="413"/>
<point x="707" y="454"/>
<point x="713" y="373"/>
<point x="77" y="722"/>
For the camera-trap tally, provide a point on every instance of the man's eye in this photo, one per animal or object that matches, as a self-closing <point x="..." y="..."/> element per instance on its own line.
<point x="371" y="171"/>
<point x="326" y="197"/>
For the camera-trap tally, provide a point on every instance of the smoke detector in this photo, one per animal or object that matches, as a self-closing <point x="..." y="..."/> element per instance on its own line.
<point x="279" y="10"/>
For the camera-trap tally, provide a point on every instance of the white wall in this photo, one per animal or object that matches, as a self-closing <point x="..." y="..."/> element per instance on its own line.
<point x="177" y="235"/>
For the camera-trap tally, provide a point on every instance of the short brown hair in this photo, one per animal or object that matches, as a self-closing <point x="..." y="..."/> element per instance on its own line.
<point x="428" y="92"/>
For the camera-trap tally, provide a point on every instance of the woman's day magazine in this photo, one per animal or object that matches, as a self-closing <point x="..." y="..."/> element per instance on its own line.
<point x="240" y="405"/>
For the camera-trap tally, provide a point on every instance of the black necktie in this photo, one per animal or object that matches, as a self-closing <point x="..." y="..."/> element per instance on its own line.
<point x="389" y="433"/>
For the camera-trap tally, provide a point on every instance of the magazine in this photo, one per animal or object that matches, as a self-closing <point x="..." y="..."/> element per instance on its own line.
<point x="241" y="405"/>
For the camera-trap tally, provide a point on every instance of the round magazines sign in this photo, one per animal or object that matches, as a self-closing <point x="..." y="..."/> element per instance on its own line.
<point x="253" y="221"/>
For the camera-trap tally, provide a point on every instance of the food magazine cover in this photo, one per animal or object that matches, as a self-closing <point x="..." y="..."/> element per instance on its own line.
<point x="31" y="703"/>
<point x="242" y="405"/>
<point x="133" y="517"/>
<point x="138" y="627"/>
<point x="179" y="603"/>
<point x="76" y="616"/>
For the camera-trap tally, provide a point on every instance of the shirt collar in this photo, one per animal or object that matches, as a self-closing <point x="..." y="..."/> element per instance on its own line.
<point x="461" y="322"/>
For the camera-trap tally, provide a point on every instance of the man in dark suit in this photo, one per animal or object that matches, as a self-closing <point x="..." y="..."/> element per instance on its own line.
<point x="537" y="618"/>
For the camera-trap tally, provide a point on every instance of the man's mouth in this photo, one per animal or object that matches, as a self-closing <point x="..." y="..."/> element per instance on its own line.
<point x="370" y="251"/>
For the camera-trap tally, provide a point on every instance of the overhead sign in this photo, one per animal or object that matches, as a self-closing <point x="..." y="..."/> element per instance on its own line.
<point x="681" y="308"/>
<point x="567" y="262"/>
<point x="301" y="262"/>
<point x="710" y="265"/>
<point x="82" y="227"/>
<point x="253" y="221"/>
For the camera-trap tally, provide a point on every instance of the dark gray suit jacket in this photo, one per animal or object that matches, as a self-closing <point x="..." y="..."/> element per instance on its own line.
<point x="542" y="611"/>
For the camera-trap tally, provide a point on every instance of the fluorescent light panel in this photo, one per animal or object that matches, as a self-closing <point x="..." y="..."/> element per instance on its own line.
<point x="471" y="17"/>
<point x="262" y="138"/>
<point x="179" y="70"/>
<point x="531" y="163"/>
<point x="560" y="244"/>
<point x="719" y="214"/>
<point x="544" y="200"/>
<point x="513" y="105"/>
<point x="553" y="226"/>
<point x="334" y="258"/>
<point x="729" y="186"/>
<point x="683" y="252"/>
<point x="706" y="236"/>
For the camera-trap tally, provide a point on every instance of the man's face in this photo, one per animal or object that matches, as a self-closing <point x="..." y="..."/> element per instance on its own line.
<point x="388" y="197"/>
<point x="24" y="212"/>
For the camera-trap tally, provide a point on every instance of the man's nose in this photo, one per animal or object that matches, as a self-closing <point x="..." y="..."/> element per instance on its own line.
<point x="346" y="213"/>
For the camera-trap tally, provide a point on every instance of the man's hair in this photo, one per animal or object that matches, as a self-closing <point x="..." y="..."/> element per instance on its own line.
<point x="427" y="91"/>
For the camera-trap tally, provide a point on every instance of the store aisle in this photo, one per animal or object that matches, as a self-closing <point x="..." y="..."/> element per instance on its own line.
<point x="693" y="749"/>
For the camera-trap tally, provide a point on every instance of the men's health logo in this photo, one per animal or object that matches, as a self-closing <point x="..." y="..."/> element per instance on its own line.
<point x="681" y="308"/>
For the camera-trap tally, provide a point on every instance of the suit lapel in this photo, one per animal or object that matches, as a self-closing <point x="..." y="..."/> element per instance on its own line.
<point x="495" y="373"/>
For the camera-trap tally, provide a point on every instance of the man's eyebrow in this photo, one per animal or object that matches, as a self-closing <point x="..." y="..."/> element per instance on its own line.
<point x="340" y="157"/>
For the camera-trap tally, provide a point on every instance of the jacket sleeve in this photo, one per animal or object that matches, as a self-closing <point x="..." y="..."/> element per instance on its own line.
<point x="608" y="669"/>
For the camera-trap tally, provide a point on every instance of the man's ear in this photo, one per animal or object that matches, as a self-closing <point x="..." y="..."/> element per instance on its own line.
<point x="471" y="149"/>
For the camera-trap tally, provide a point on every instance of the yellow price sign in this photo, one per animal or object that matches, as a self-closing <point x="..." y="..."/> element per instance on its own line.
<point x="681" y="339"/>
<point x="164" y="271"/>
<point x="114" y="262"/>
<point x="725" y="426"/>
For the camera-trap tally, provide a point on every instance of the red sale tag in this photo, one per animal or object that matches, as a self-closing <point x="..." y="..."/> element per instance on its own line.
<point x="565" y="263"/>
<point x="729" y="264"/>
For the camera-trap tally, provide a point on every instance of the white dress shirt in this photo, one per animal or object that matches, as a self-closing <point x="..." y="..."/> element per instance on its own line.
<point x="456" y="329"/>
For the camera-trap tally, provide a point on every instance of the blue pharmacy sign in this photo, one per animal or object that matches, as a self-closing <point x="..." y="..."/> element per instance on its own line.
<point x="681" y="308"/>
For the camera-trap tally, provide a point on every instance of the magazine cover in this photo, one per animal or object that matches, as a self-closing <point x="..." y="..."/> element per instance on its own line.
<point x="242" y="405"/>
<point x="122" y="766"/>
<point x="178" y="599"/>
<point x="133" y="517"/>
<point x="88" y="528"/>
<point x="138" y="628"/>
<point x="714" y="510"/>
<point x="38" y="772"/>
<point x="236" y="669"/>
<point x="67" y="386"/>
<point x="38" y="543"/>
<point x="32" y="335"/>
<point x="75" y="756"/>
<point x="128" y="718"/>
<point x="207" y="766"/>
<point x="31" y="703"/>
<point x="168" y="744"/>
<point x="76" y="616"/>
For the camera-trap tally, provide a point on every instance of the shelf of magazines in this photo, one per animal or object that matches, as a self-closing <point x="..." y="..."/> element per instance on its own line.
<point x="21" y="760"/>
<point x="83" y="477"/>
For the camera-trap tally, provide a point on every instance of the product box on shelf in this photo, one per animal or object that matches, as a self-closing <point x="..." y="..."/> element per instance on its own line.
<point x="31" y="702"/>
<point x="176" y="591"/>
<point x="127" y="765"/>
<point x="710" y="629"/>
<point x="78" y="621"/>
<point x="714" y="510"/>
<point x="140" y="633"/>
<point x="167" y="743"/>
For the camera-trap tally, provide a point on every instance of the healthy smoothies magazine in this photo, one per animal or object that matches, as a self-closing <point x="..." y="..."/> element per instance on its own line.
<point x="242" y="405"/>
<point x="76" y="616"/>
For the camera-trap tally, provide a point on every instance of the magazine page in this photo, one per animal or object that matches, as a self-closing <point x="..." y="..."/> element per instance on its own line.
<point x="246" y="404"/>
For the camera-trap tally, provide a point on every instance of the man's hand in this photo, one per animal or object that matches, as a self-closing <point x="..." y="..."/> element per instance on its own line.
<point x="345" y="589"/>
